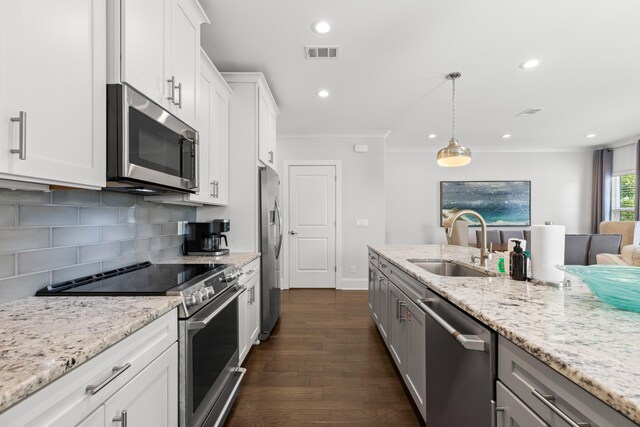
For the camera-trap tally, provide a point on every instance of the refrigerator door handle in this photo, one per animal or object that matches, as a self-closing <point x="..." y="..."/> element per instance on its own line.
<point x="279" y="245"/>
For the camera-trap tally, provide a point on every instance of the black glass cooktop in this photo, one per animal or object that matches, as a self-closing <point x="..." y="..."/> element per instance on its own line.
<point x="138" y="279"/>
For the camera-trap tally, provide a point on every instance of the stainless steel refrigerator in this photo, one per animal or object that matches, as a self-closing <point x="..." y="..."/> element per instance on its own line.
<point x="271" y="248"/>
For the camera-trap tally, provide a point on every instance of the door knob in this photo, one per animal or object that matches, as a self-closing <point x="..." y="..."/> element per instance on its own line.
<point x="293" y="233"/>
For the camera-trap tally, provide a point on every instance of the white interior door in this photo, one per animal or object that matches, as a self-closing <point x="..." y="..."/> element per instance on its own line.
<point x="312" y="226"/>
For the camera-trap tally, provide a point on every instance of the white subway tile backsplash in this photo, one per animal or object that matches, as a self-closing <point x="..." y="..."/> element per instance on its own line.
<point x="99" y="216"/>
<point x="115" y="199"/>
<point x="148" y="230"/>
<point x="21" y="239"/>
<point x="47" y="215"/>
<point x="76" y="197"/>
<point x="25" y="197"/>
<point x="7" y="215"/>
<point x="7" y="265"/>
<point x="99" y="252"/>
<point x="118" y="232"/>
<point x="68" y="236"/>
<point x="22" y="286"/>
<point x="46" y="259"/>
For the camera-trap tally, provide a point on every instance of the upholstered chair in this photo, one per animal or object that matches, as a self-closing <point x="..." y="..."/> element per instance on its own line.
<point x="630" y="231"/>
<point x="629" y="256"/>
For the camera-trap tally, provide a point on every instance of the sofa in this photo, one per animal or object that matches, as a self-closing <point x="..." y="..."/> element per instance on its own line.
<point x="629" y="256"/>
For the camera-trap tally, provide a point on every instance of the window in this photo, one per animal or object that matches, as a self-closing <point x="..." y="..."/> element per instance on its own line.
<point x="623" y="195"/>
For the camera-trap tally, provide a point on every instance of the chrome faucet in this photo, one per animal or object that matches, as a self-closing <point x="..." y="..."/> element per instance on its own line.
<point x="485" y="253"/>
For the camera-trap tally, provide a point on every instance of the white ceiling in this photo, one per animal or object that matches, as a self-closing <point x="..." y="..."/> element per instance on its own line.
<point x="395" y="54"/>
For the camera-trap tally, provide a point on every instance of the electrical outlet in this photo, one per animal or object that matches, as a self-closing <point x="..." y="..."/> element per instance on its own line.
<point x="352" y="269"/>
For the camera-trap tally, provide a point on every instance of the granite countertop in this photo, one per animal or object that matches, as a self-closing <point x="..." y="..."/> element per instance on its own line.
<point x="239" y="259"/>
<point x="43" y="338"/>
<point x="591" y="343"/>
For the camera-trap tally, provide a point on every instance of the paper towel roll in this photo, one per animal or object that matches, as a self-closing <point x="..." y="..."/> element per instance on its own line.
<point x="547" y="251"/>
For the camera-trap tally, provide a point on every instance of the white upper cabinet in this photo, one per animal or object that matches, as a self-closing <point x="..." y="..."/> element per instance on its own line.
<point x="155" y="48"/>
<point x="212" y="122"/>
<point x="52" y="92"/>
<point x="262" y="114"/>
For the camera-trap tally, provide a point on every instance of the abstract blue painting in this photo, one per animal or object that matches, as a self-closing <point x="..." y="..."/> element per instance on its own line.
<point x="501" y="203"/>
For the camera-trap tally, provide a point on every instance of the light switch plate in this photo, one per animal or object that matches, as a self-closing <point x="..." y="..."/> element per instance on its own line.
<point x="362" y="222"/>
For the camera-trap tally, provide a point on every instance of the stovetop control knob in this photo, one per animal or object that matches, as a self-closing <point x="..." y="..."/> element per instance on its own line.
<point x="190" y="300"/>
<point x="203" y="295"/>
<point x="209" y="291"/>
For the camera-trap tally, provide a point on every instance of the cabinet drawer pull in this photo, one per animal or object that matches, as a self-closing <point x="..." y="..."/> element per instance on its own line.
<point x="116" y="371"/>
<point x="172" y="89"/>
<point x="548" y="399"/>
<point x="122" y="419"/>
<point x="21" y="151"/>
<point x="179" y="103"/>
<point x="470" y="342"/>
<point x="403" y="310"/>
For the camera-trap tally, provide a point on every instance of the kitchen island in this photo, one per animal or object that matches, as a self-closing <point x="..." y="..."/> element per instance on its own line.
<point x="593" y="345"/>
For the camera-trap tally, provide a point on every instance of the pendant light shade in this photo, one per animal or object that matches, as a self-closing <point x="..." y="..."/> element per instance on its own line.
<point x="454" y="154"/>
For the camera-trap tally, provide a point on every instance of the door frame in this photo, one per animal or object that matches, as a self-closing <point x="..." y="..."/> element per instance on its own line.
<point x="285" y="207"/>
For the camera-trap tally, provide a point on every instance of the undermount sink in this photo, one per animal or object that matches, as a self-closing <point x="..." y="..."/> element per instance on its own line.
<point x="449" y="268"/>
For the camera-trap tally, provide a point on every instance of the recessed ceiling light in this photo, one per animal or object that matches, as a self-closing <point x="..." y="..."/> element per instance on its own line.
<point x="505" y="136"/>
<point x="321" y="27"/>
<point x="323" y="93"/>
<point x="432" y="135"/>
<point x="591" y="135"/>
<point x="530" y="63"/>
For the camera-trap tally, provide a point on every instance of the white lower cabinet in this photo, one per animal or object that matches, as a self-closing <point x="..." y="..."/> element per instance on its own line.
<point x="135" y="379"/>
<point x="249" y="308"/>
<point x="150" y="398"/>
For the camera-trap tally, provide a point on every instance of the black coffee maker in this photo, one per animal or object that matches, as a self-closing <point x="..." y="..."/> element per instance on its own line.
<point x="205" y="238"/>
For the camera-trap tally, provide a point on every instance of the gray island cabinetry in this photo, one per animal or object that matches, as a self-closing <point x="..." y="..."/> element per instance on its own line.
<point x="474" y="350"/>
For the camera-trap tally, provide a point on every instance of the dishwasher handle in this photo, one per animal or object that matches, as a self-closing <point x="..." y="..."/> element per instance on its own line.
<point x="470" y="342"/>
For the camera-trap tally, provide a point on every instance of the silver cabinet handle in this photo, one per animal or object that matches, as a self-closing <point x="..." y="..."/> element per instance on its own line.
<point x="116" y="371"/>
<point x="172" y="89"/>
<point x="470" y="342"/>
<point x="216" y="188"/>
<point x="213" y="189"/>
<point x="548" y="399"/>
<point x="293" y="233"/>
<point x="397" y="309"/>
<point x="179" y="87"/>
<point x="271" y="157"/>
<point x="22" y="150"/>
<point x="122" y="419"/>
<point x="403" y="307"/>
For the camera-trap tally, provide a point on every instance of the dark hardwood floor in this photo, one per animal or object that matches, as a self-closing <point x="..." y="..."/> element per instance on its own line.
<point x="325" y="363"/>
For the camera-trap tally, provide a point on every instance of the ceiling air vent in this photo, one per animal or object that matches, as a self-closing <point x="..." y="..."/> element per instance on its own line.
<point x="322" y="52"/>
<point x="529" y="112"/>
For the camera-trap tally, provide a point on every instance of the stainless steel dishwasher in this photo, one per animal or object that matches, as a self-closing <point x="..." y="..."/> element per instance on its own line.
<point x="461" y="366"/>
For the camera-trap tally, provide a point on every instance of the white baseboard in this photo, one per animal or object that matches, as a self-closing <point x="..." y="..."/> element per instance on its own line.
<point x="353" y="284"/>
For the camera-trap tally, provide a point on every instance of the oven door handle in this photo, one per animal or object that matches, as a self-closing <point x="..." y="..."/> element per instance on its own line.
<point x="201" y="324"/>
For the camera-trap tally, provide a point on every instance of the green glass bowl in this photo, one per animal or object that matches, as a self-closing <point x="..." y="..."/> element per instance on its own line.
<point x="618" y="286"/>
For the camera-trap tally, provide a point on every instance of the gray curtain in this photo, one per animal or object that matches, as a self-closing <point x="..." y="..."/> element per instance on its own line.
<point x="637" y="204"/>
<point x="601" y="207"/>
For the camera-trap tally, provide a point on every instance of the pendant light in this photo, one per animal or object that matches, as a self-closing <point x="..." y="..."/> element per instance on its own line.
<point x="454" y="154"/>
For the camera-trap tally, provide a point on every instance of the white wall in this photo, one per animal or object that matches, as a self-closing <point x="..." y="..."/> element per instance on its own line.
<point x="362" y="193"/>
<point x="560" y="189"/>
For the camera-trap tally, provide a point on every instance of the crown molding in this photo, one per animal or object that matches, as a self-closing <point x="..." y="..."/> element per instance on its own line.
<point x="334" y="134"/>
<point x="494" y="150"/>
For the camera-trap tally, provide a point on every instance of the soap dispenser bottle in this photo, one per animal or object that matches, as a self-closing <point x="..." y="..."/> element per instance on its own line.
<point x="518" y="263"/>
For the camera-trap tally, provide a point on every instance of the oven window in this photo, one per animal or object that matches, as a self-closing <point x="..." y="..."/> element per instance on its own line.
<point x="153" y="146"/>
<point x="213" y="347"/>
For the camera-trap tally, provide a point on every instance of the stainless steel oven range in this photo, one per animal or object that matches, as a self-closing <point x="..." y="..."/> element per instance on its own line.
<point x="209" y="368"/>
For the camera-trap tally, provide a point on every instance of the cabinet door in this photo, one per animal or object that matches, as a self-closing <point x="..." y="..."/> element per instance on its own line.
<point x="243" y="325"/>
<point x="96" y="419"/>
<point x="143" y="56"/>
<point x="254" y="310"/>
<point x="510" y="411"/>
<point x="151" y="397"/>
<point x="415" y="374"/>
<point x="373" y="278"/>
<point x="205" y="127"/>
<point x="263" y="127"/>
<point x="271" y="135"/>
<point x="383" y="307"/>
<point x="220" y="144"/>
<point x="396" y="327"/>
<point x="53" y="68"/>
<point x="185" y="57"/>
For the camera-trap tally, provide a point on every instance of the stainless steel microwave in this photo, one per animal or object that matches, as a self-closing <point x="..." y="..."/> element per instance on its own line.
<point x="149" y="150"/>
